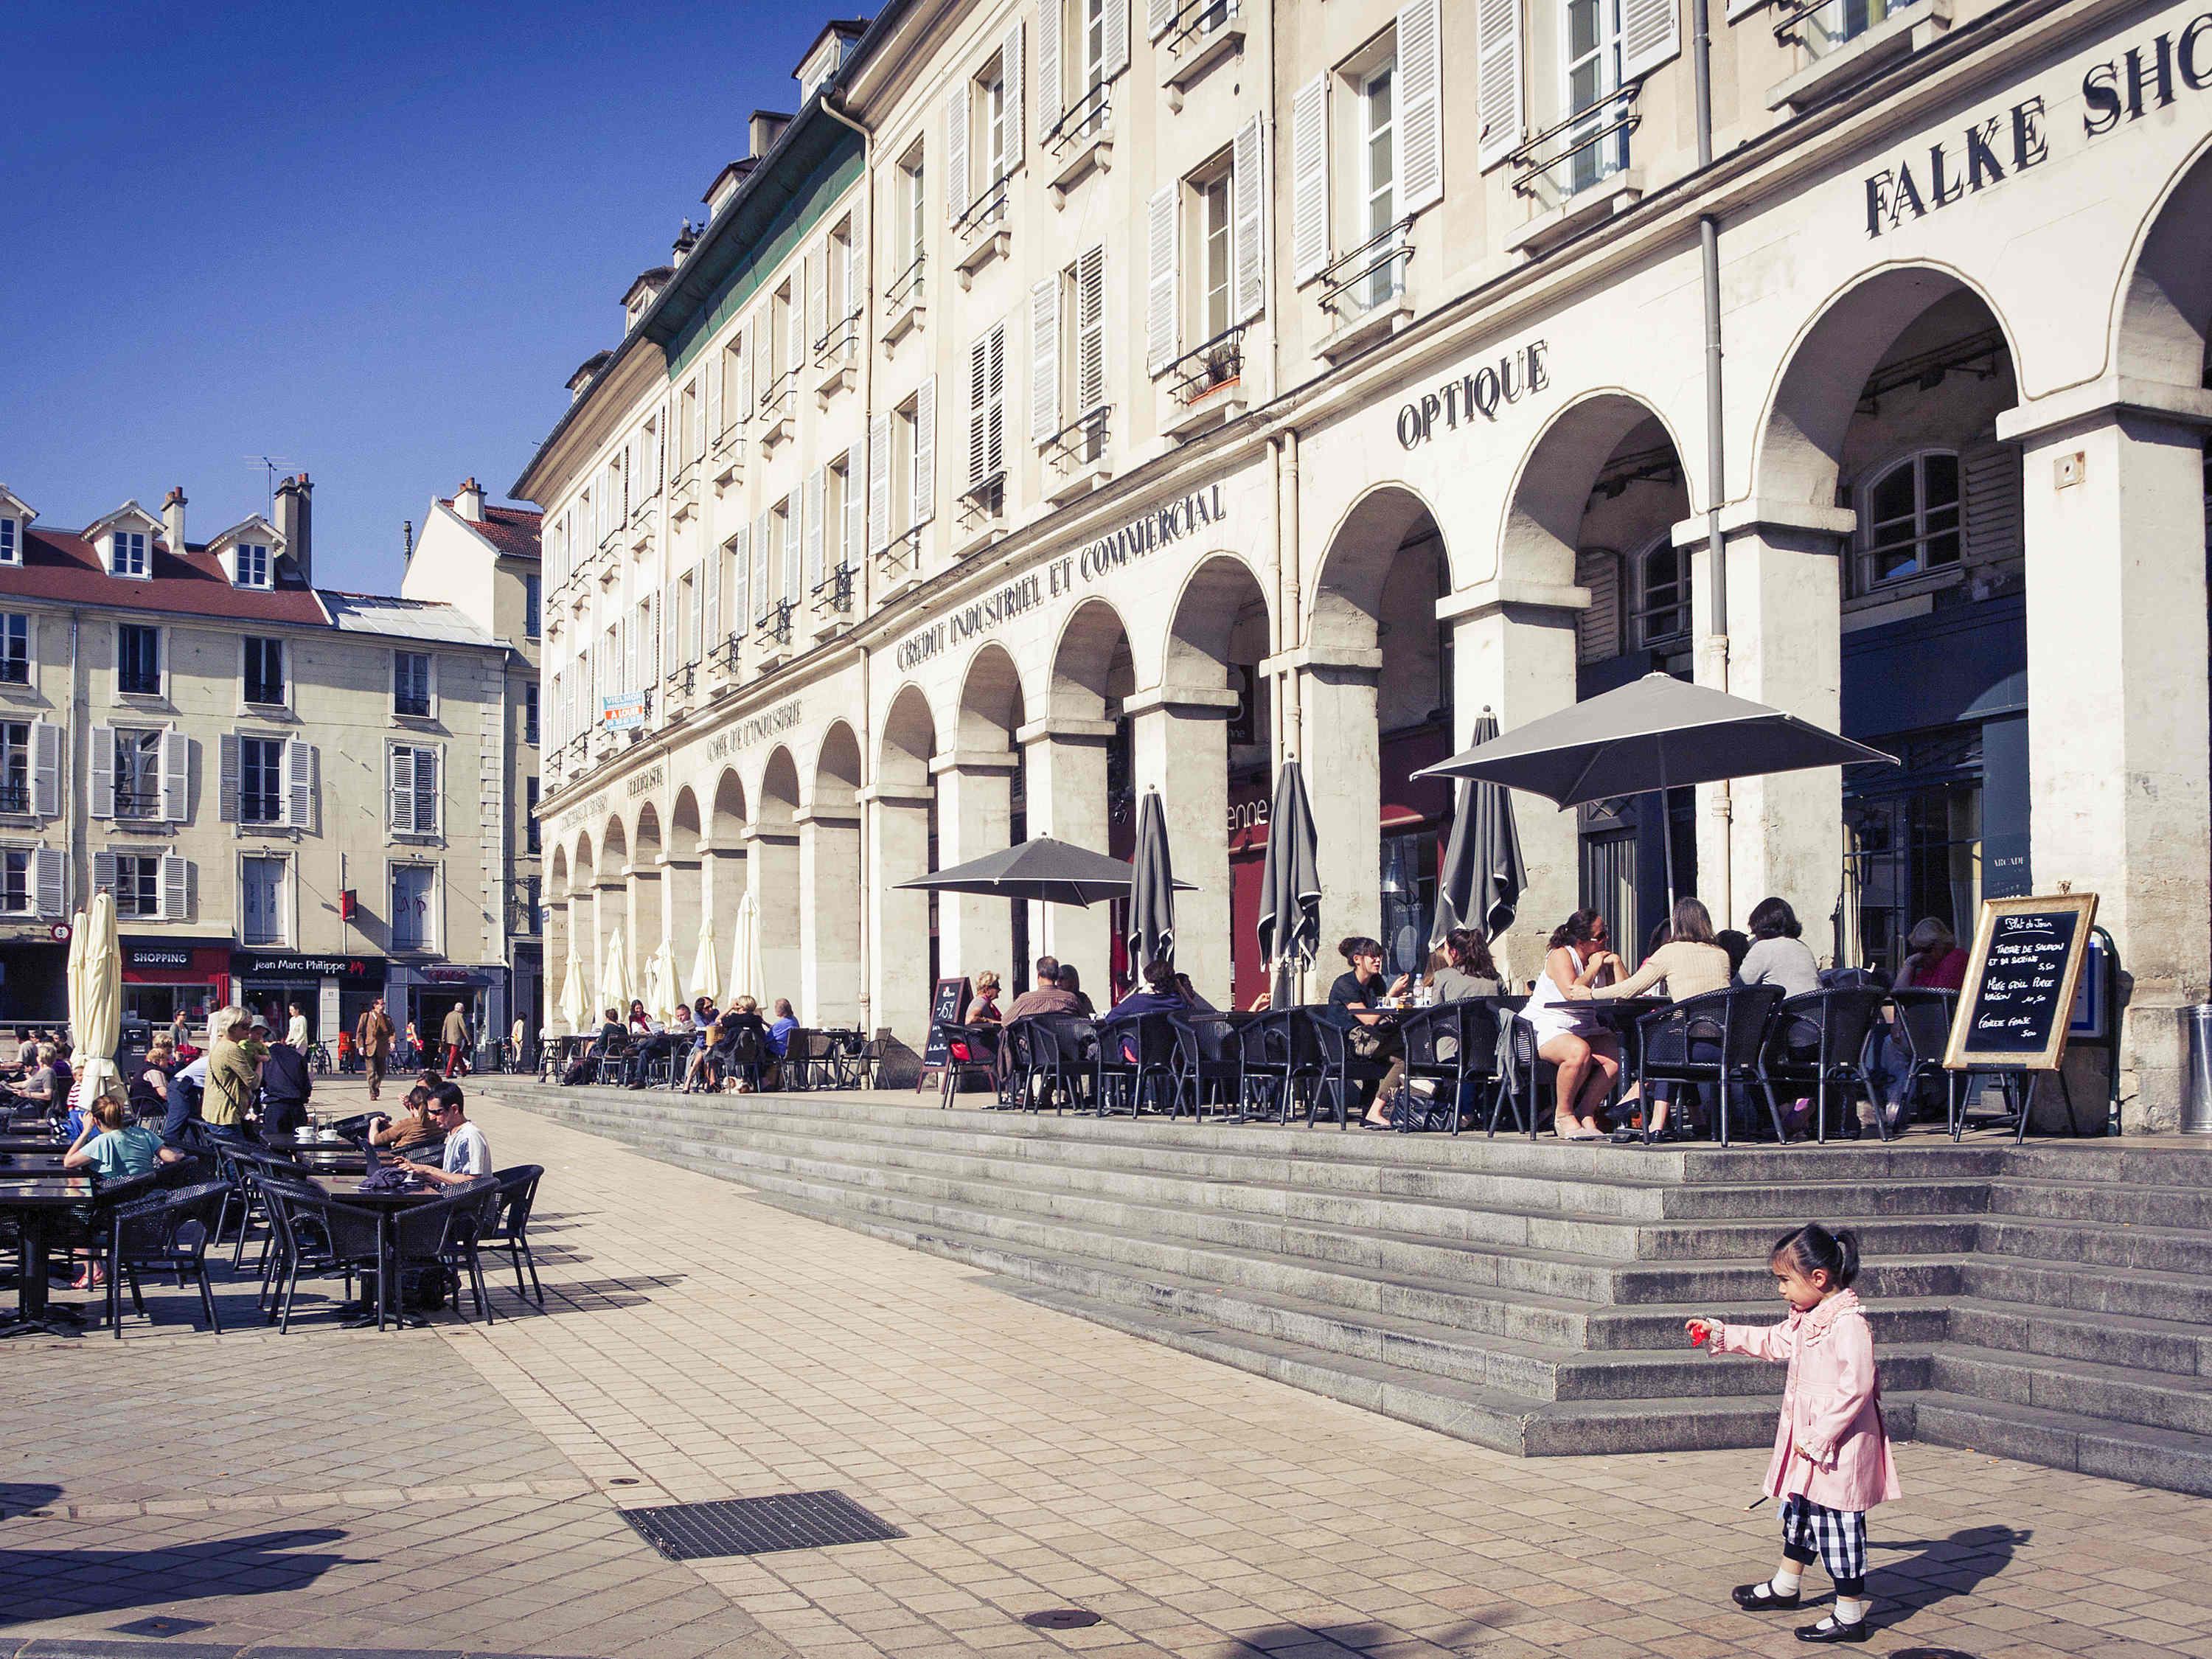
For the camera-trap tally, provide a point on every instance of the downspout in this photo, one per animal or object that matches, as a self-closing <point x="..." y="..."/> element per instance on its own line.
<point x="80" y="728"/>
<point x="1291" y="631"/>
<point x="1720" y="885"/>
<point x="864" y="343"/>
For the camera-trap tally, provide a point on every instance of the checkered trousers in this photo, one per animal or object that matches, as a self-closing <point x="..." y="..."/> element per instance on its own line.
<point x="1836" y="1538"/>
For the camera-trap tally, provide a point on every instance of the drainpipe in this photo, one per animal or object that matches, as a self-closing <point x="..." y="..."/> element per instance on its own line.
<point x="1720" y="885"/>
<point x="1289" y="628"/>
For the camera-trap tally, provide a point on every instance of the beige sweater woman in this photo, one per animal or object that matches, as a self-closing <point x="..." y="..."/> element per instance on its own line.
<point x="1689" y="969"/>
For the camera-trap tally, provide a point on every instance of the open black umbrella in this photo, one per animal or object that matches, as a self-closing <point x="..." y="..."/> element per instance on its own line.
<point x="1050" y="872"/>
<point x="1290" y="883"/>
<point x="1480" y="884"/>
<point x="1653" y="734"/>
<point x="1151" y="891"/>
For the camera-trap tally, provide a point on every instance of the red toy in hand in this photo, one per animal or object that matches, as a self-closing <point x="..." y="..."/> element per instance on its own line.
<point x="1698" y="1337"/>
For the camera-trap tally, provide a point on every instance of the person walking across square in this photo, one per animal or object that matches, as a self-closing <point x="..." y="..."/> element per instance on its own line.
<point x="454" y="1035"/>
<point x="371" y="1038"/>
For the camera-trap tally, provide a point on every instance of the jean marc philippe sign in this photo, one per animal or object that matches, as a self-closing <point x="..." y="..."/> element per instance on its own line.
<point x="1124" y="545"/>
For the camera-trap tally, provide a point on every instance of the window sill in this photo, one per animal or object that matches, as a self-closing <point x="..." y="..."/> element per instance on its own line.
<point x="1886" y="43"/>
<point x="152" y="701"/>
<point x="1907" y="587"/>
<point x="1195" y="60"/>
<point x="904" y="320"/>
<point x="832" y="377"/>
<point x="1376" y="323"/>
<point x="265" y="711"/>
<point x="776" y="428"/>
<point x="978" y="534"/>
<point x="727" y="462"/>
<point x="1094" y="152"/>
<point x="414" y="837"/>
<point x="416" y="722"/>
<point x="1601" y="202"/>
<point x="1080" y="480"/>
<point x="275" y="831"/>
<point x="989" y="245"/>
<point x="1219" y="405"/>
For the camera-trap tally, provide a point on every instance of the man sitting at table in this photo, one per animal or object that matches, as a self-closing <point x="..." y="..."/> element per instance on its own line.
<point x="49" y="1083"/>
<point x="1046" y="996"/>
<point x="468" y="1154"/>
<point x="285" y="1086"/>
<point x="414" y="1125"/>
<point x="585" y="1068"/>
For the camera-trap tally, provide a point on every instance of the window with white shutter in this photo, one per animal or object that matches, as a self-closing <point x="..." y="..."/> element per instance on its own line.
<point x="1044" y="359"/>
<point x="1248" y="177"/>
<point x="1010" y="76"/>
<point x="987" y="411"/>
<point x="711" y="625"/>
<point x="790" y="532"/>
<point x="879" y="483"/>
<point x="1091" y="331"/>
<point x="102" y="751"/>
<point x="849" y="504"/>
<point x="176" y="888"/>
<point x="817" y="512"/>
<point x="300" y="779"/>
<point x="1160" y="241"/>
<point x="1049" y="84"/>
<point x="415" y="797"/>
<point x="1420" y="105"/>
<point x="763" y="530"/>
<point x="817" y="296"/>
<point x="50" y="881"/>
<point x="176" y="763"/>
<point x="957" y="183"/>
<point x="47" y="769"/>
<point x="1500" y="92"/>
<point x="1650" y="34"/>
<point x="1309" y="240"/>
<point x="1159" y="14"/>
<point x="741" y="580"/>
<point x="924" y="477"/>
<point x="1114" y="47"/>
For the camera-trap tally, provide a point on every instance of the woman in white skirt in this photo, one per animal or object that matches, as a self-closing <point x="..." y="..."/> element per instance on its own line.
<point x="1586" y="1053"/>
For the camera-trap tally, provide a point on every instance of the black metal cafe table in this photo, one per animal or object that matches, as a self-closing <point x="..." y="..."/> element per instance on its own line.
<point x="387" y="1203"/>
<point x="38" y="1203"/>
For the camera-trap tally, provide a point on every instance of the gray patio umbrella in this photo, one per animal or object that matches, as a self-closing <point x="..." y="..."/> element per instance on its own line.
<point x="1654" y="735"/>
<point x="1480" y="884"/>
<point x="1047" y="871"/>
<point x="1290" y="882"/>
<point x="1151" y="891"/>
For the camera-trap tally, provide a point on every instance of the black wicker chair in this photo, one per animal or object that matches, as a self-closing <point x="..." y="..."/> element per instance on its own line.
<point x="1732" y="1026"/>
<point x="1209" y="1059"/>
<point x="1817" y="1045"/>
<point x="1329" y="1028"/>
<point x="167" y="1233"/>
<point x="1452" y="1045"/>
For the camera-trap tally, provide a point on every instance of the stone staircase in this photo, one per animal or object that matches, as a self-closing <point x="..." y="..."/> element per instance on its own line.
<point x="2051" y="1302"/>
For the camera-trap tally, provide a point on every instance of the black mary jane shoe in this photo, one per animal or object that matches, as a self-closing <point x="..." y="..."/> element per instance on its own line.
<point x="1832" y="1630"/>
<point x="1761" y="1598"/>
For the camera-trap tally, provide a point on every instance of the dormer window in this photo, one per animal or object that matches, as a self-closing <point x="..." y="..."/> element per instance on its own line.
<point x="129" y="555"/>
<point x="254" y="564"/>
<point x="11" y="542"/>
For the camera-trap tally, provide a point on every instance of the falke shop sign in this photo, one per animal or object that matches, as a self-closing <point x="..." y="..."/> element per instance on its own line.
<point x="2146" y="77"/>
<point x="1118" y="547"/>
<point x="1476" y="395"/>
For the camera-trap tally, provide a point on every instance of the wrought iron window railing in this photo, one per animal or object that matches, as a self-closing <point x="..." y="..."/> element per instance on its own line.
<point x="833" y="593"/>
<point x="773" y="626"/>
<point x="1371" y="276"/>
<point x="1195" y="21"/>
<point x="1081" y="441"/>
<point x="1822" y="25"/>
<point x="1087" y="117"/>
<point x="905" y="287"/>
<point x="1205" y="369"/>
<point x="1586" y="149"/>
<point x="838" y="340"/>
<point x="987" y="210"/>
<point x="901" y="557"/>
<point x="777" y="396"/>
<point x="136" y="803"/>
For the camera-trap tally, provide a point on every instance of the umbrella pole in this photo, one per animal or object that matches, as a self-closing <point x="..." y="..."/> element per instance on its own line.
<point x="1667" y="832"/>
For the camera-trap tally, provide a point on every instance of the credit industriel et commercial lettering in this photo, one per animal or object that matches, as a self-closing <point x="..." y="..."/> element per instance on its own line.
<point x="1169" y="523"/>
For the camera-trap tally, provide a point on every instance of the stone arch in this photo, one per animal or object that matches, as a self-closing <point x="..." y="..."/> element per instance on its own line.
<point x="1091" y="664"/>
<point x="1797" y="455"/>
<point x="779" y="791"/>
<point x="614" y="848"/>
<point x="902" y="844"/>
<point x="992" y="707"/>
<point x="1542" y="533"/>
<point x="728" y="818"/>
<point x="1347" y="607"/>
<point x="909" y="741"/>
<point x="1220" y="599"/>
<point x="683" y="826"/>
<point x="837" y="766"/>
<point x="2162" y="314"/>
<point x="983" y="807"/>
<point x="646" y="840"/>
<point x="832" y="916"/>
<point x="581" y="865"/>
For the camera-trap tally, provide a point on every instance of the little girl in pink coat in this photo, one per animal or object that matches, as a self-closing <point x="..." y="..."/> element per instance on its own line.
<point x="1831" y="1461"/>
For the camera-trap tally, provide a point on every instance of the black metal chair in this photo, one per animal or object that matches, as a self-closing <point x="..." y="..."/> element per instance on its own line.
<point x="510" y="1232"/>
<point x="868" y="1057"/>
<point x="1068" y="1061"/>
<point x="745" y="1057"/>
<point x="1020" y="1050"/>
<point x="1264" y="1057"/>
<point x="167" y="1232"/>
<point x="1923" y="1030"/>
<point x="614" y="1061"/>
<point x="1452" y="1045"/>
<point x="969" y="1051"/>
<point x="1713" y="1041"/>
<point x="1136" y="1061"/>
<point x="1209" y="1059"/>
<point x="1329" y="1030"/>
<point x="1817" y="1044"/>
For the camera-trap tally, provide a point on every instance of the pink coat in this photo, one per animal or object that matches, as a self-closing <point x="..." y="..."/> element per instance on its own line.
<point x="1831" y="1405"/>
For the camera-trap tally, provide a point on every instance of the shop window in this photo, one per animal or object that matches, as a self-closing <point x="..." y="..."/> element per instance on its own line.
<point x="1662" y="595"/>
<point x="14" y="645"/>
<point x="1912" y="519"/>
<point x="413" y="907"/>
<point x="137" y="661"/>
<point x="261" y="900"/>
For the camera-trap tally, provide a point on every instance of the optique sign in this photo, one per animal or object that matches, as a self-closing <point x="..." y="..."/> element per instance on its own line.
<point x="1476" y="395"/>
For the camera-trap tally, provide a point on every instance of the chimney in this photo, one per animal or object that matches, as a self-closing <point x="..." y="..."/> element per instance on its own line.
<point x="686" y="240"/>
<point x="764" y="128"/>
<point x="468" y="501"/>
<point x="407" y="541"/>
<point x="173" y="520"/>
<point x="295" y="524"/>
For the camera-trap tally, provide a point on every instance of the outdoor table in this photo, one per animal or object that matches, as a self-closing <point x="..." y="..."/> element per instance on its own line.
<point x="386" y="1204"/>
<point x="37" y="1202"/>
<point x="47" y="1160"/>
<point x="1623" y="1015"/>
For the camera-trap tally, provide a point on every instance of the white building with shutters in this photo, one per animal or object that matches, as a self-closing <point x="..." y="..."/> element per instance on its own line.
<point x="294" y="795"/>
<point x="1240" y="381"/>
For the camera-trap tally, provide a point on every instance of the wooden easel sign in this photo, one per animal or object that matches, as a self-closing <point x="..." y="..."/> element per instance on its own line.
<point x="2021" y="978"/>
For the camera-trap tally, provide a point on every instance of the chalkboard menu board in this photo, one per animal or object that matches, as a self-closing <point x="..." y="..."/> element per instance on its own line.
<point x="946" y="1003"/>
<point x="2020" y="981"/>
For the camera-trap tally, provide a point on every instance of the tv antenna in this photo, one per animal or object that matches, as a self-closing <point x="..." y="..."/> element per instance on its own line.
<point x="270" y="465"/>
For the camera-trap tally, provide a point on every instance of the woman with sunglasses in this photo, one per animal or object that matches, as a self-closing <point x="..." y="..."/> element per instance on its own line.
<point x="1586" y="1053"/>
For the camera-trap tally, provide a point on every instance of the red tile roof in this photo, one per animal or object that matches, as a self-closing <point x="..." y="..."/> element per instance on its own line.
<point x="68" y="570"/>
<point x="513" y="531"/>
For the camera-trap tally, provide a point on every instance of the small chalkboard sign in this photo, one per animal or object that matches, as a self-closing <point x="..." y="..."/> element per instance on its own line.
<point x="2022" y="977"/>
<point x="946" y="1003"/>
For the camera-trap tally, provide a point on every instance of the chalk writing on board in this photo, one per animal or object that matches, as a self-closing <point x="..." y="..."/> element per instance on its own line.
<point x="2017" y="1006"/>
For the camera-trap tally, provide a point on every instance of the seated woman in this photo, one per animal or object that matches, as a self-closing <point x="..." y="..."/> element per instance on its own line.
<point x="1586" y="1054"/>
<point x="742" y="1040"/>
<point x="698" y="1070"/>
<point x="149" y="1090"/>
<point x="1159" y="996"/>
<point x="641" y="1025"/>
<point x="1780" y="958"/>
<point x="585" y="1068"/>
<point x="113" y="1144"/>
<point x="1934" y="961"/>
<point x="984" y="1010"/>
<point x="412" y="1127"/>
<point x="1690" y="965"/>
<point x="1465" y="972"/>
<point x="47" y="1083"/>
<point x="1071" y="982"/>
<point x="1358" y="991"/>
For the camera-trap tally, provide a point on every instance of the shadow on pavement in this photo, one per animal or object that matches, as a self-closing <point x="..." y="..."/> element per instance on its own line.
<point x="1946" y="1567"/>
<point x="57" y="1584"/>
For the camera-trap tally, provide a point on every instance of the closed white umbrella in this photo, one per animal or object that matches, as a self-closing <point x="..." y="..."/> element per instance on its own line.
<point x="575" y="996"/>
<point x="614" y="978"/>
<point x="661" y="995"/>
<point x="97" y="1023"/>
<point x="745" y="975"/>
<point x="704" y="978"/>
<point x="73" y="975"/>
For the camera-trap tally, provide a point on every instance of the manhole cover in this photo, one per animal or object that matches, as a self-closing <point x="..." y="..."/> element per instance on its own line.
<point x="1930" y="1653"/>
<point x="159" y="1624"/>
<point x="624" y="1481"/>
<point x="1061" y="1618"/>
<point x="758" y="1526"/>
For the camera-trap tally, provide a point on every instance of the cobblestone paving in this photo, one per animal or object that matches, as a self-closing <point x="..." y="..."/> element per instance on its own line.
<point x="455" y="1487"/>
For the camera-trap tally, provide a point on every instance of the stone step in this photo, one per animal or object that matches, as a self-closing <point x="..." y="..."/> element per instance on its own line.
<point x="2111" y="1393"/>
<point x="2184" y="1298"/>
<point x="2120" y="1204"/>
<point x="2185" y="1251"/>
<point x="2165" y="1458"/>
<point x="2168" y="1346"/>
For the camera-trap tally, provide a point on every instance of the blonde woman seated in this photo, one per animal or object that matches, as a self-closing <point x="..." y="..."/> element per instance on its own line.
<point x="1690" y="964"/>
<point x="1587" y="1054"/>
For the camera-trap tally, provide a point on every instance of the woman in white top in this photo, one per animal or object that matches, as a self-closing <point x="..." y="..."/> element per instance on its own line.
<point x="1587" y="1054"/>
<point x="295" y="1028"/>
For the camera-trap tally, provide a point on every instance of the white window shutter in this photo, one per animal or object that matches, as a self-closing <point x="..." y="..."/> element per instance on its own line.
<point x="1650" y="34"/>
<point x="698" y="438"/>
<point x="741" y="580"/>
<point x="50" y="881"/>
<point x="176" y="888"/>
<point x="748" y="351"/>
<point x="176" y="762"/>
<point x="1500" y="95"/>
<point x="879" y="483"/>
<point x="103" y="872"/>
<point x="817" y="511"/>
<point x="925" y="450"/>
<point x="710" y="624"/>
<point x="761" y="527"/>
<point x="851" y="280"/>
<point x="713" y="401"/>
<point x="956" y="152"/>
<point x="227" y="788"/>
<point x="102" y="805"/>
<point x="855" y="525"/>
<point x="300" y="760"/>
<point x="1420" y="104"/>
<point x="46" y="769"/>
<point x="1010" y="67"/>
<point x="818" y="293"/>
<point x="795" y="318"/>
<point x="1090" y="330"/>
<point x="1044" y="358"/>
<point x="1249" y="184"/>
<point x="1117" y="37"/>
<point x="1161" y="14"/>
<point x="1160" y="284"/>
<point x="1310" y="179"/>
<point x="400" y="807"/>
<point x="1048" y="70"/>
<point x="671" y="619"/>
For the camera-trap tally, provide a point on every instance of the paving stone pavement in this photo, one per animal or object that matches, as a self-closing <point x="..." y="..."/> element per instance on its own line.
<point x="454" y="1488"/>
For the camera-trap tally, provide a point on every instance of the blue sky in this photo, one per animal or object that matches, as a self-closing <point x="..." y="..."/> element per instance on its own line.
<point x="372" y="240"/>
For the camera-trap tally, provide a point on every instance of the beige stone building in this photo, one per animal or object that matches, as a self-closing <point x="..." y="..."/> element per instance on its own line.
<point x="296" y="794"/>
<point x="1073" y="399"/>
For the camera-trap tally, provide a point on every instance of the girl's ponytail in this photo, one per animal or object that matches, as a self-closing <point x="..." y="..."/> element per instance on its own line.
<point x="1813" y="1248"/>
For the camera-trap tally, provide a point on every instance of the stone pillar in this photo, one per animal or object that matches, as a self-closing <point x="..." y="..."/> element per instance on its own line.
<point x="1179" y="746"/>
<point x="722" y="886"/>
<point x="611" y="907"/>
<point x="1067" y="760"/>
<point x="1784" y="833"/>
<point x="681" y="909"/>
<point x="646" y="919"/>
<point x="1340" y="745"/>
<point x="1513" y="653"/>
<point x="829" y="915"/>
<point x="2113" y="477"/>
<point x="974" y="816"/>
<point x="554" y="958"/>
<point x="773" y="860"/>
<point x="898" y="850"/>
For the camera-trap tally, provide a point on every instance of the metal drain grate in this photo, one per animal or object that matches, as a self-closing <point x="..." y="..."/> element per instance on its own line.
<point x="758" y="1526"/>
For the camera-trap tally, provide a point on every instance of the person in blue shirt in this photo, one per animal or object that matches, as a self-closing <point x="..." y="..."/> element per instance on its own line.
<point x="781" y="1027"/>
<point x="113" y="1144"/>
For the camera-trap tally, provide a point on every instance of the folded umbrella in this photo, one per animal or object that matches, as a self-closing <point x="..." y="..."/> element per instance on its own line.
<point x="1290" y="883"/>
<point x="1480" y="884"/>
<point x="1151" y="889"/>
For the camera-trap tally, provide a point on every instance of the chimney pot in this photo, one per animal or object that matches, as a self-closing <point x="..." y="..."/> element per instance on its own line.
<point x="172" y="520"/>
<point x="468" y="501"/>
<point x="295" y="524"/>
